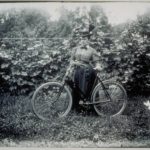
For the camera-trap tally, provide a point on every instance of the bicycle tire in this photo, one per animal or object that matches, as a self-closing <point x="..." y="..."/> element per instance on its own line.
<point x="99" y="109"/>
<point x="46" y="95"/>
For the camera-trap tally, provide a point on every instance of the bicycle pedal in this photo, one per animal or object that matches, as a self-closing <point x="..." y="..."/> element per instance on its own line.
<point x="87" y="103"/>
<point x="81" y="102"/>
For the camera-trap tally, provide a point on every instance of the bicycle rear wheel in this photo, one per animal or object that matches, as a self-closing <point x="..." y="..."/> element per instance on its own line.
<point x="51" y="100"/>
<point x="111" y="99"/>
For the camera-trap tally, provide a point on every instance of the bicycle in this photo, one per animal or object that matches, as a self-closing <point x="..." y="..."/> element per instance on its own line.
<point x="54" y="99"/>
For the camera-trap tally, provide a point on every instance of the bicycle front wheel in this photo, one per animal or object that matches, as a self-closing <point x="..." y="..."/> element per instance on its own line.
<point x="111" y="99"/>
<point x="51" y="100"/>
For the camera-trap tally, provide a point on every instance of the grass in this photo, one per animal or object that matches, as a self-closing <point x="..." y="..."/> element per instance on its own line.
<point x="18" y="122"/>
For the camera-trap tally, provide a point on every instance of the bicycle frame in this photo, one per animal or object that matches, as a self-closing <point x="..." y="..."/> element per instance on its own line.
<point x="83" y="97"/>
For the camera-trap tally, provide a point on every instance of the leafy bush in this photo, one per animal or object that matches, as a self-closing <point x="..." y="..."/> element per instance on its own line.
<point x="132" y="61"/>
<point x="28" y="61"/>
<point x="32" y="60"/>
<point x="34" y="49"/>
<point x="32" y="65"/>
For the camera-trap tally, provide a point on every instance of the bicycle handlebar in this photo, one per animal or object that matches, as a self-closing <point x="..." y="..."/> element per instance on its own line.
<point x="77" y="63"/>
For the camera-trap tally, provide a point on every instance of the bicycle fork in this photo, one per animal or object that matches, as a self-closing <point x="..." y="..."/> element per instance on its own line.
<point x="60" y="91"/>
<point x="105" y="91"/>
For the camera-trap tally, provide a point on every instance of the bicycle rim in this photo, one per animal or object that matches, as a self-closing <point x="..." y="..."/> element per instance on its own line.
<point x="51" y="100"/>
<point x="112" y="104"/>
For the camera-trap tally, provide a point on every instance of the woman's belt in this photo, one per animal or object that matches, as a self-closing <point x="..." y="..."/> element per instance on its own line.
<point x="83" y="63"/>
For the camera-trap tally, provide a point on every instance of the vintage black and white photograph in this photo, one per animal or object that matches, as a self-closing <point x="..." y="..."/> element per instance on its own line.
<point x="75" y="74"/>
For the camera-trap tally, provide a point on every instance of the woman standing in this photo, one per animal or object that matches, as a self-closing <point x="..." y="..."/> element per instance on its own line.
<point x="84" y="75"/>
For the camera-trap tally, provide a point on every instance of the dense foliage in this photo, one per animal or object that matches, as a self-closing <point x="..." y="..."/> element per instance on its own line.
<point x="27" y="57"/>
<point x="133" y="50"/>
<point x="34" y="49"/>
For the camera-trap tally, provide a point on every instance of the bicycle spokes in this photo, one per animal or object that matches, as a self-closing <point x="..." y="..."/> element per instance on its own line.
<point x="109" y="98"/>
<point x="51" y="100"/>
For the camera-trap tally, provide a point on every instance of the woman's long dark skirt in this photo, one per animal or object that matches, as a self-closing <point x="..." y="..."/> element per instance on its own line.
<point x="84" y="79"/>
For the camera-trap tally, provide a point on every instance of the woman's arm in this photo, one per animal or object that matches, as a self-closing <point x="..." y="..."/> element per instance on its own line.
<point x="71" y="60"/>
<point x="97" y="60"/>
<point x="73" y="54"/>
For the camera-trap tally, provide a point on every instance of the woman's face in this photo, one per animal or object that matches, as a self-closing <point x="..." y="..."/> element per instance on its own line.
<point x="83" y="43"/>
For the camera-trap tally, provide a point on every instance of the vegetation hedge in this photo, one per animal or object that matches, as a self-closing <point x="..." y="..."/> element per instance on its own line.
<point x="34" y="49"/>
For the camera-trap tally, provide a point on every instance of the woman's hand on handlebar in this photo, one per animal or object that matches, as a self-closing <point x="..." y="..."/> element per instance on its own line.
<point x="98" y="68"/>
